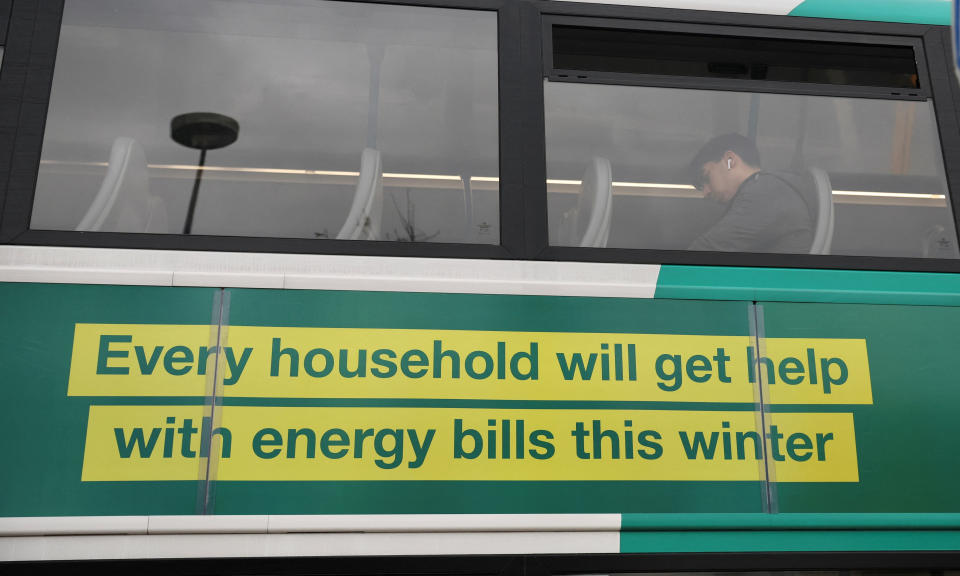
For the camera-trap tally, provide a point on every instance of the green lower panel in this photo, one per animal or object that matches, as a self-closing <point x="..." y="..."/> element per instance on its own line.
<point x="789" y="541"/>
<point x="44" y="428"/>
<point x="796" y="285"/>
<point x="43" y="329"/>
<point x="483" y="497"/>
<point x="907" y="436"/>
<point x="93" y="405"/>
<point x="795" y="521"/>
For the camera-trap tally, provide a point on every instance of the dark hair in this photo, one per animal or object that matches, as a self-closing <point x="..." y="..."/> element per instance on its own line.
<point x="715" y="148"/>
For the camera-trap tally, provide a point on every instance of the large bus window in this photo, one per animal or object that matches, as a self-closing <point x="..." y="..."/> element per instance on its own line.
<point x="284" y="119"/>
<point x="619" y="175"/>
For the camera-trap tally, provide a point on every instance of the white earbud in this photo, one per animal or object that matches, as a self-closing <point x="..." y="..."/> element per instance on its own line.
<point x="729" y="160"/>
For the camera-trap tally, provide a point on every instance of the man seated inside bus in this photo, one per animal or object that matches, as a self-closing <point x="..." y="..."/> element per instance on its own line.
<point x="766" y="211"/>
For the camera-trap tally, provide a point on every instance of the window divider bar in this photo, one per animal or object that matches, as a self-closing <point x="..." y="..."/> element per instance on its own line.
<point x="534" y="152"/>
<point x="511" y="135"/>
<point x="946" y="100"/>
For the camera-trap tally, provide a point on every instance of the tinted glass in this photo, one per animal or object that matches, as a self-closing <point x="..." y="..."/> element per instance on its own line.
<point x="878" y="161"/>
<point x="715" y="56"/>
<point x="357" y="121"/>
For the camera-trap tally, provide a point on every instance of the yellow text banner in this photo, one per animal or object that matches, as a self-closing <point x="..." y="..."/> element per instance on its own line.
<point x="125" y="443"/>
<point x="271" y="362"/>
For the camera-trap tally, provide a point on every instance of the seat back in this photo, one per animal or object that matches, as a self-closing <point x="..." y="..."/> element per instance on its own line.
<point x="366" y="213"/>
<point x="123" y="202"/>
<point x="157" y="222"/>
<point x="595" y="204"/>
<point x="823" y="229"/>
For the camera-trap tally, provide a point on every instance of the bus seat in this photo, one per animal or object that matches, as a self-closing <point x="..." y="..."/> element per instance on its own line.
<point x="595" y="204"/>
<point x="823" y="229"/>
<point x="363" y="221"/>
<point x="123" y="202"/>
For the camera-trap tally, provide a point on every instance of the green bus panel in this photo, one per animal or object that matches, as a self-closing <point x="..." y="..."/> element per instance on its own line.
<point x="62" y="444"/>
<point x="86" y="367"/>
<point x="486" y="313"/>
<point x="43" y="428"/>
<point x="908" y="439"/>
<point x="801" y="285"/>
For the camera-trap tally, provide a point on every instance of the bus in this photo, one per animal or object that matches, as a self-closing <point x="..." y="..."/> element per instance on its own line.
<point x="479" y="286"/>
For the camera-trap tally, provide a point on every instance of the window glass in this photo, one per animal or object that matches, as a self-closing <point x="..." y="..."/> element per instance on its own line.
<point x="619" y="175"/>
<point x="311" y="119"/>
<point x="715" y="56"/>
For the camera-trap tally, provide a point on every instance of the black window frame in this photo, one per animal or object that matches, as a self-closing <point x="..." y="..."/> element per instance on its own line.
<point x="937" y="82"/>
<point x="523" y="35"/>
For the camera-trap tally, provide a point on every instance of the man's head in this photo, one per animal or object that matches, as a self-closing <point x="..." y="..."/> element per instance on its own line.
<point x="722" y="165"/>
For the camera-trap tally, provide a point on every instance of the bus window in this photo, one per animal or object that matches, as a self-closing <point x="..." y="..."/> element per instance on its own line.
<point x="858" y="175"/>
<point x="882" y="158"/>
<point x="284" y="119"/>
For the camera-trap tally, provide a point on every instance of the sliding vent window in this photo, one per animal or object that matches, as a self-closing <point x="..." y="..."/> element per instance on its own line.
<point x="291" y="118"/>
<point x="713" y="56"/>
<point x="659" y="167"/>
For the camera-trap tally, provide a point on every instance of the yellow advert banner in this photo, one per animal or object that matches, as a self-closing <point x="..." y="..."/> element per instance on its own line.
<point x="276" y="362"/>
<point x="125" y="443"/>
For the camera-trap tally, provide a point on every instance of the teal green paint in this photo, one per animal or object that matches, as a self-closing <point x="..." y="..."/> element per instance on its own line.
<point x="484" y="497"/>
<point x="36" y="333"/>
<point x="46" y="428"/>
<point x="803" y="285"/>
<point x="411" y="310"/>
<point x="485" y="312"/>
<point x="911" y="425"/>
<point x="732" y="522"/>
<point x="899" y="472"/>
<point x="906" y="11"/>
<point x="789" y="541"/>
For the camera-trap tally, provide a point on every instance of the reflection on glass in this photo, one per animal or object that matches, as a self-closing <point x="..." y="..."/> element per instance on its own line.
<point x="359" y="121"/>
<point x="878" y="162"/>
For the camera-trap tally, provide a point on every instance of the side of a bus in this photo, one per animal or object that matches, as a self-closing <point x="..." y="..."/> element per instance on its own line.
<point x="420" y="286"/>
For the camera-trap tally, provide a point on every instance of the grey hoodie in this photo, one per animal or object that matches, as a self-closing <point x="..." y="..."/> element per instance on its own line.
<point x="771" y="212"/>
